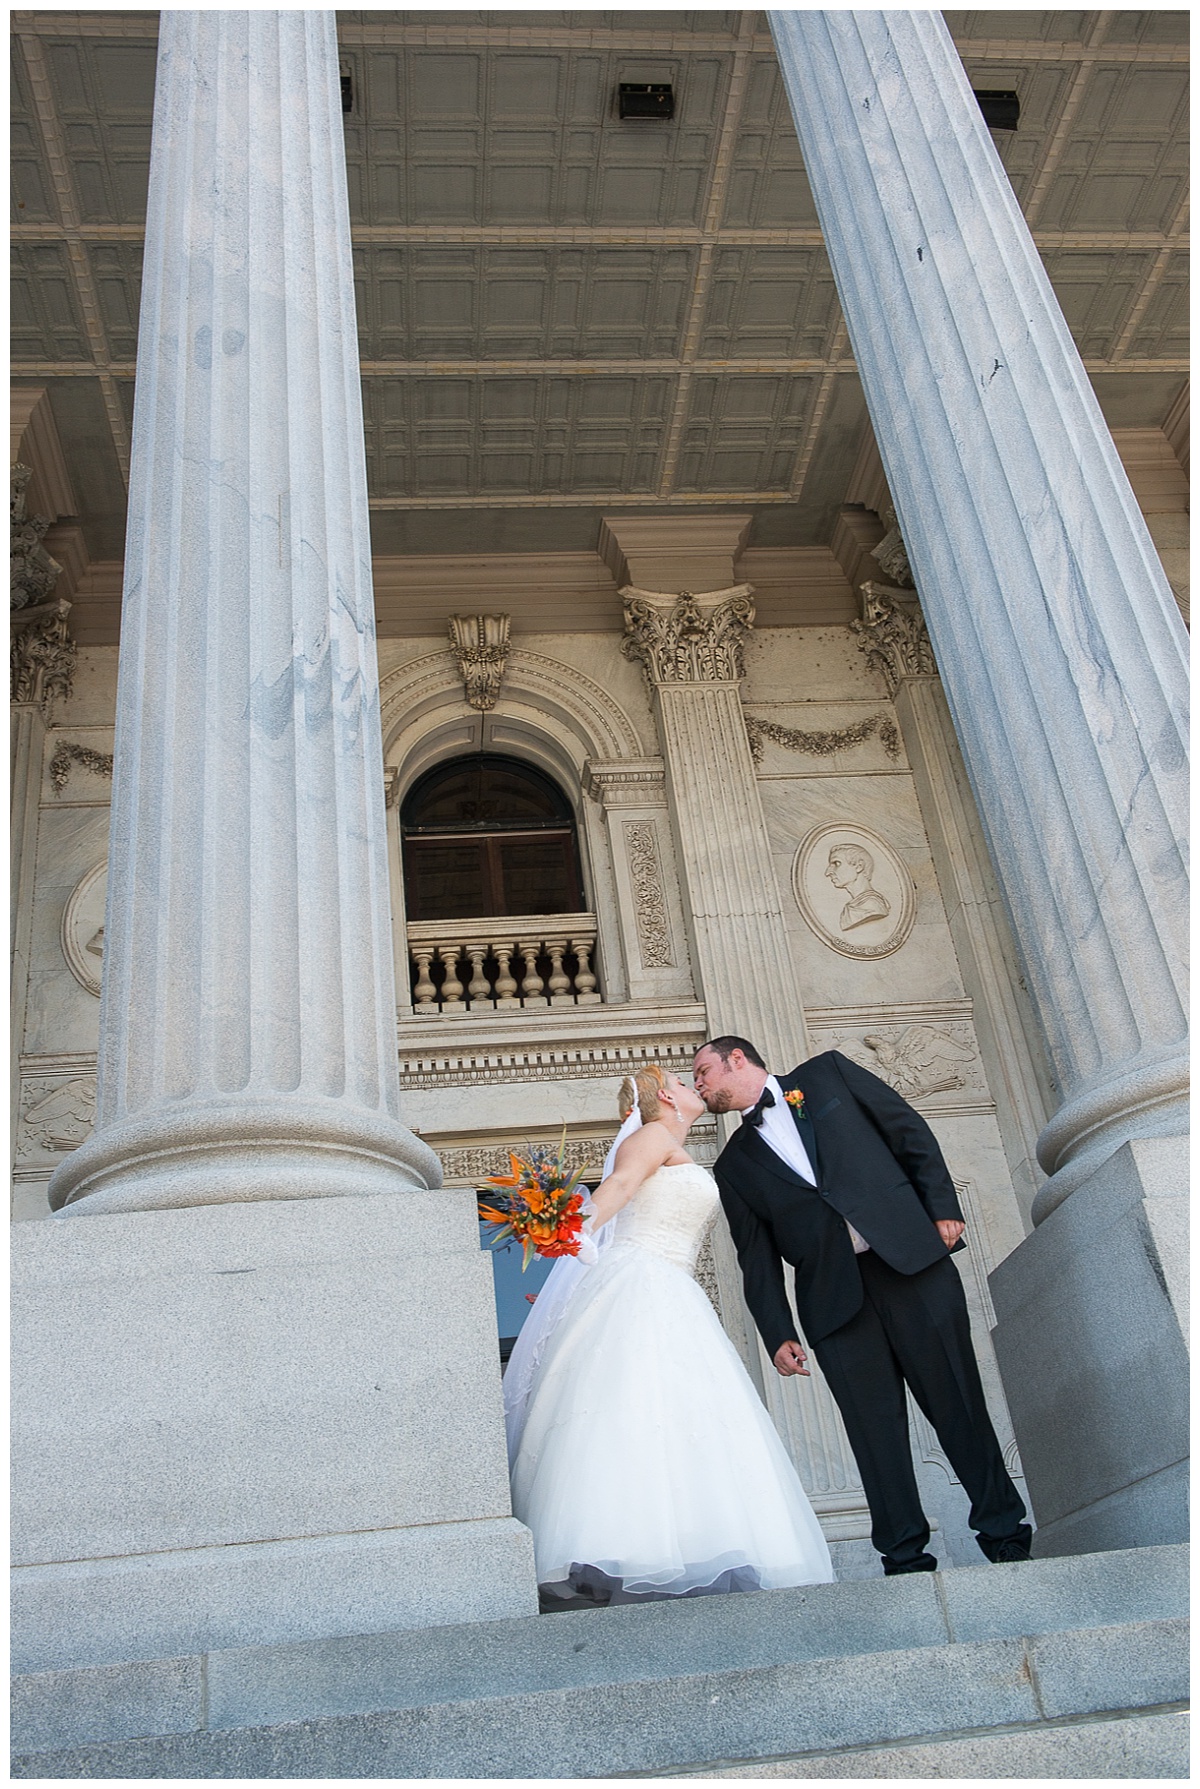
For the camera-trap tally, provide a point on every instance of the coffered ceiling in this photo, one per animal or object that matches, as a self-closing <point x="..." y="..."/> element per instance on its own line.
<point x="562" y="314"/>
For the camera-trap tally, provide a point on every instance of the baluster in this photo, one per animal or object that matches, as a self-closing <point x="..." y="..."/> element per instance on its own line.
<point x="506" y="987"/>
<point x="531" y="982"/>
<point x="479" y="987"/>
<point x="560" y="981"/>
<point x="452" y="988"/>
<point x="424" y="991"/>
<point x="585" y="981"/>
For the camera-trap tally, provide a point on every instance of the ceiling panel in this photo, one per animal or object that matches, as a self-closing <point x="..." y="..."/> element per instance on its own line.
<point x="770" y="303"/>
<point x="743" y="432"/>
<point x="46" y="320"/>
<point x="450" y="436"/>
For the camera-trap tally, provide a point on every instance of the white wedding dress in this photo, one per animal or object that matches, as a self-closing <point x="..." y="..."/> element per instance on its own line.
<point x="647" y="1466"/>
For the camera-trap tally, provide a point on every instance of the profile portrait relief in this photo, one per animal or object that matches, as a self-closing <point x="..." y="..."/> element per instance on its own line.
<point x="853" y="889"/>
<point x="851" y="868"/>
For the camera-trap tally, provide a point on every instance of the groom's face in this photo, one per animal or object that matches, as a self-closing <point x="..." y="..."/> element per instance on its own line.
<point x="726" y="1084"/>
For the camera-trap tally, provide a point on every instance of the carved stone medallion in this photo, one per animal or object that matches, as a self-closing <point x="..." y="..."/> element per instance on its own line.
<point x="83" y="928"/>
<point x="853" y="890"/>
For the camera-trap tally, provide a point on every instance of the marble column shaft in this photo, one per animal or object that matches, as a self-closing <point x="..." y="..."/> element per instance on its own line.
<point x="248" y="989"/>
<point x="1059" y="643"/>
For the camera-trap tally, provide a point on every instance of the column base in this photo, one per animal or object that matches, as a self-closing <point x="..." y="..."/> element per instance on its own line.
<point x="1091" y="1341"/>
<point x="234" y="1150"/>
<point x="241" y="1425"/>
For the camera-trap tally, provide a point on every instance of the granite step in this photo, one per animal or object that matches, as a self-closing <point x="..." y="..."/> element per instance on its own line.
<point x="1015" y="1658"/>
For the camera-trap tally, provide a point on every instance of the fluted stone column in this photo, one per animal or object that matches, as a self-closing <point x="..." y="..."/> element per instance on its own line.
<point x="1064" y="664"/>
<point x="247" y="1028"/>
<point x="1060" y="646"/>
<point x="274" y="1415"/>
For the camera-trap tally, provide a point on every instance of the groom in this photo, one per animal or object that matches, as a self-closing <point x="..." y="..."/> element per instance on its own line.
<point x="836" y="1174"/>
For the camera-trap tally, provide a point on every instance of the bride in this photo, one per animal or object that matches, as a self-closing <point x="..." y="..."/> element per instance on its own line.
<point x="642" y="1459"/>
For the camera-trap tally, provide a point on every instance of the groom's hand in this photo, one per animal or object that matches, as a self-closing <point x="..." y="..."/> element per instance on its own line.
<point x="789" y="1359"/>
<point x="949" y="1229"/>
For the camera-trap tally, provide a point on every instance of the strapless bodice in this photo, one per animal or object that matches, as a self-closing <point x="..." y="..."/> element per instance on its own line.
<point x="670" y="1213"/>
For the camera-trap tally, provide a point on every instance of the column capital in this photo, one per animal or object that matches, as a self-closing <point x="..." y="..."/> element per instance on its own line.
<point x="684" y="638"/>
<point x="893" y="634"/>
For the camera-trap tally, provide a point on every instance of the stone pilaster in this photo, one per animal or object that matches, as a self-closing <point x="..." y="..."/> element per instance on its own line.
<point x="247" y="1031"/>
<point x="894" y="639"/>
<point x="1064" y="663"/>
<point x="690" y="648"/>
<point x="1059" y="643"/>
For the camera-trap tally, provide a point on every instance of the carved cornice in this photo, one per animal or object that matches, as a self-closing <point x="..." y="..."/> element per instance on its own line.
<point x="625" y="782"/>
<point x="684" y="638"/>
<point x="41" y="656"/>
<point x="892" y="633"/>
<point x="480" y="644"/>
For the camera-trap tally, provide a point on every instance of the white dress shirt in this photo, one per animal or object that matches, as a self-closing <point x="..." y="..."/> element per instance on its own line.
<point x="779" y="1130"/>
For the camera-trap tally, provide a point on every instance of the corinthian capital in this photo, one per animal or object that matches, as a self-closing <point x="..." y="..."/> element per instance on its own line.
<point x="682" y="638"/>
<point x="893" y="636"/>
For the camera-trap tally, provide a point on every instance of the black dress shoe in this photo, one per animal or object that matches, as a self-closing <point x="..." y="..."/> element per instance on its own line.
<point x="1010" y="1552"/>
<point x="924" y="1562"/>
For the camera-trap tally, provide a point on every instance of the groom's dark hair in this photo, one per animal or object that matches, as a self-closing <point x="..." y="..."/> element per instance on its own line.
<point x="725" y="1046"/>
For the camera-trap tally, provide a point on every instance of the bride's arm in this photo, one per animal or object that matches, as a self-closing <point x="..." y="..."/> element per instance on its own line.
<point x="637" y="1159"/>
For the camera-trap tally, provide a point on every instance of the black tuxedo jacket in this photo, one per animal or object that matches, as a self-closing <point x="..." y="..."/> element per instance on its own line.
<point x="878" y="1165"/>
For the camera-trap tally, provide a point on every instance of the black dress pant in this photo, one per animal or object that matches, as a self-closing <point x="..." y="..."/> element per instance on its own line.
<point x="913" y="1329"/>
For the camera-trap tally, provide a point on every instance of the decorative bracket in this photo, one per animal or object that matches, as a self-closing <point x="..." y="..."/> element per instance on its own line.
<point x="480" y="643"/>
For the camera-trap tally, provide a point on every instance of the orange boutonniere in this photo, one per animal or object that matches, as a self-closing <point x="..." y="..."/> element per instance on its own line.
<point x="795" y="1099"/>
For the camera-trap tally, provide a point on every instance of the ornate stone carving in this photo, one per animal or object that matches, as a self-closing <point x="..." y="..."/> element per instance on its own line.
<point x="56" y="1119"/>
<point x="82" y="931"/>
<point x="476" y="1164"/>
<point x="480" y="643"/>
<point x="687" y="638"/>
<point x="67" y="754"/>
<point x="706" y="1272"/>
<point x="645" y="869"/>
<point x="479" y="1066"/>
<point x="891" y="554"/>
<point x="853" y="890"/>
<point x="826" y="744"/>
<point x="918" y="1060"/>
<point x="41" y="656"/>
<point x="892" y="634"/>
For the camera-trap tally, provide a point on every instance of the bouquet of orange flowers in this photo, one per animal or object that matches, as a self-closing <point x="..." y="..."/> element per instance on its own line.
<point x="541" y="1204"/>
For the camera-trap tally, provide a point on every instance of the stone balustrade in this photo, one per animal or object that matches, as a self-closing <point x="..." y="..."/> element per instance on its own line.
<point x="497" y="965"/>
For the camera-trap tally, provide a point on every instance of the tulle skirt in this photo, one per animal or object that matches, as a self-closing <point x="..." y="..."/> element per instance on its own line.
<point x="647" y="1466"/>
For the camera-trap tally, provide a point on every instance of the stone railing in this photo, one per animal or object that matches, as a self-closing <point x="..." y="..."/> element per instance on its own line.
<point x="498" y="965"/>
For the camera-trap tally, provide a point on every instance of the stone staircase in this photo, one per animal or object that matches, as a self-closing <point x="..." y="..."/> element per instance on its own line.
<point x="1072" y="1667"/>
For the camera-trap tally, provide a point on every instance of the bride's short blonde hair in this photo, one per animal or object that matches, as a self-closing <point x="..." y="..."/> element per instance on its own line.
<point x="644" y="1088"/>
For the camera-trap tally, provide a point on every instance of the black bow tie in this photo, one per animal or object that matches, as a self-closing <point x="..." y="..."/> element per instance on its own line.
<point x="755" y="1117"/>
